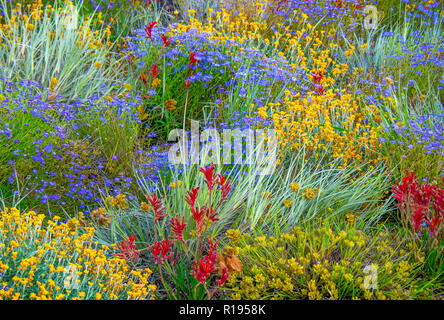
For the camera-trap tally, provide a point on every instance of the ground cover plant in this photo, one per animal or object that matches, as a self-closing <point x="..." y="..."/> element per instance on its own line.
<point x="221" y="149"/>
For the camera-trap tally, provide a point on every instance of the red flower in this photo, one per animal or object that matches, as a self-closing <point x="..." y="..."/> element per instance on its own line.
<point x="202" y="270"/>
<point x="143" y="77"/>
<point x="157" y="207"/>
<point x="177" y="228"/>
<point x="161" y="248"/>
<point x="154" y="71"/>
<point x="191" y="196"/>
<point x="128" y="249"/>
<point x="211" y="215"/>
<point x="223" y="277"/>
<point x="149" y="29"/>
<point x="438" y="203"/>
<point x="401" y="190"/>
<point x="418" y="218"/>
<point x="207" y="264"/>
<point x="187" y="84"/>
<point x="198" y="215"/>
<point x="166" y="41"/>
<point x="317" y="78"/>
<point x="433" y="224"/>
<point x="209" y="176"/>
<point x="193" y="59"/>
<point x="224" y="186"/>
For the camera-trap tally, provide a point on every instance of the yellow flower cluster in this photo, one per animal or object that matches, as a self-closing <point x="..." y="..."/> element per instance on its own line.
<point x="118" y="202"/>
<point x="45" y="260"/>
<point x="319" y="263"/>
<point x="325" y="122"/>
<point x="25" y="20"/>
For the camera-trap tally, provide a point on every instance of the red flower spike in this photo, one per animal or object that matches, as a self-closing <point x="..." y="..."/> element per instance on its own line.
<point x="177" y="228"/>
<point x="187" y="84"/>
<point x="198" y="215"/>
<point x="161" y="248"/>
<point x="193" y="59"/>
<point x="154" y="71"/>
<point x="418" y="218"/>
<point x="433" y="224"/>
<point x="209" y="176"/>
<point x="158" y="207"/>
<point x="207" y="264"/>
<point x="149" y="29"/>
<point x="191" y="196"/>
<point x="202" y="270"/>
<point x="166" y="41"/>
<point x="128" y="249"/>
<point x="211" y="215"/>
<point x="143" y="77"/>
<point x="223" y="277"/>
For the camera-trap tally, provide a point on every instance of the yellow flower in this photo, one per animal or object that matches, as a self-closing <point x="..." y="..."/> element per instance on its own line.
<point x="145" y="207"/>
<point x="155" y="83"/>
<point x="170" y="104"/>
<point x="52" y="84"/>
<point x="309" y="193"/>
<point x="294" y="186"/>
<point x="287" y="203"/>
<point x="350" y="217"/>
<point x="97" y="65"/>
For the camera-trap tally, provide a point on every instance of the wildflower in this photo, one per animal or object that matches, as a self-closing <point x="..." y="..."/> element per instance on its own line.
<point x="287" y="203"/>
<point x="309" y="193"/>
<point x="177" y="228"/>
<point x="224" y="186"/>
<point x="234" y="235"/>
<point x="170" y="104"/>
<point x="418" y="218"/>
<point x="198" y="215"/>
<point x="128" y="249"/>
<point x="154" y="71"/>
<point x="166" y="41"/>
<point x="350" y="217"/>
<point x="52" y="84"/>
<point x="158" y="207"/>
<point x="97" y="64"/>
<point x="193" y="59"/>
<point x="209" y="176"/>
<point x="224" y="276"/>
<point x="187" y="84"/>
<point x="433" y="224"/>
<point x="100" y="216"/>
<point x="143" y="77"/>
<point x="155" y="83"/>
<point x="191" y="196"/>
<point x="207" y="264"/>
<point x="294" y="186"/>
<point x="145" y="207"/>
<point x="149" y="29"/>
<point x="161" y="248"/>
<point x="120" y="202"/>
